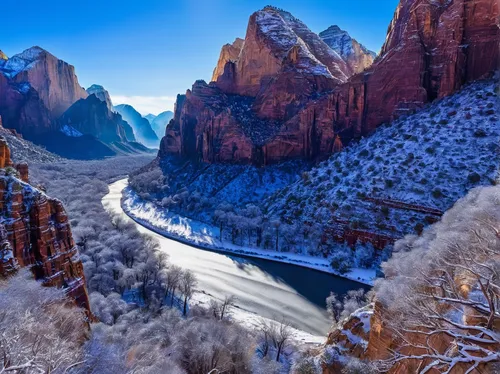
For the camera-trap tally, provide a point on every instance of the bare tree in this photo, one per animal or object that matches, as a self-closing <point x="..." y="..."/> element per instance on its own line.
<point x="447" y="288"/>
<point x="187" y="284"/>
<point x="280" y="336"/>
<point x="222" y="309"/>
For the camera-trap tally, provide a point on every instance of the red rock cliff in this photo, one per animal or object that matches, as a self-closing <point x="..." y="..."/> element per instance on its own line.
<point x="35" y="89"/>
<point x="35" y="232"/>
<point x="432" y="49"/>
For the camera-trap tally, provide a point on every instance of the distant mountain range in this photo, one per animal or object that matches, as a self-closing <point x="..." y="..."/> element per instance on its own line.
<point x="159" y="123"/>
<point x="41" y="99"/>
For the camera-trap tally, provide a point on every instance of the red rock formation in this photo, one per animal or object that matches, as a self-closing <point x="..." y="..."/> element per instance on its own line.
<point x="432" y="49"/>
<point x="53" y="79"/>
<point x="228" y="53"/>
<point x="39" y="235"/>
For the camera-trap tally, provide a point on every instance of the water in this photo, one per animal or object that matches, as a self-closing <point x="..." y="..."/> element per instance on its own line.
<point x="265" y="288"/>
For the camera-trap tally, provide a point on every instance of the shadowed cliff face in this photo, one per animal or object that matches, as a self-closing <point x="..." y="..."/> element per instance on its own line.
<point x="303" y="94"/>
<point x="35" y="232"/>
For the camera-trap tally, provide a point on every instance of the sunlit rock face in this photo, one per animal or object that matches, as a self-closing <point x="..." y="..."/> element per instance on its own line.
<point x="53" y="79"/>
<point x="36" y="88"/>
<point x="102" y="94"/>
<point x="356" y="55"/>
<point x="289" y="95"/>
<point x="228" y="53"/>
<point x="35" y="232"/>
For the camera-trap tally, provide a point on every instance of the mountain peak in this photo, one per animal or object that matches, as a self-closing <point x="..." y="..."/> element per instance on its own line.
<point x="101" y="93"/>
<point x="356" y="55"/>
<point x="3" y="56"/>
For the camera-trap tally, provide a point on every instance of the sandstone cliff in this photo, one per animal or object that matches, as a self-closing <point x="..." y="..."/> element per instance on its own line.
<point x="53" y="79"/>
<point x="35" y="232"/>
<point x="356" y="55"/>
<point x="228" y="53"/>
<point x="295" y="87"/>
<point x="35" y="89"/>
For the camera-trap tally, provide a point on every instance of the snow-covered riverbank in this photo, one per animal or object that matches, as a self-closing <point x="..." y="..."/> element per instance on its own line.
<point x="204" y="236"/>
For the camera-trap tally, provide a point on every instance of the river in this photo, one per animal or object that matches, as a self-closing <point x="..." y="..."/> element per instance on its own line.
<point x="264" y="288"/>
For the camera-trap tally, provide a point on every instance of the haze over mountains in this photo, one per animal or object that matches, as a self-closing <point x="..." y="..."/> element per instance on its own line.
<point x="42" y="100"/>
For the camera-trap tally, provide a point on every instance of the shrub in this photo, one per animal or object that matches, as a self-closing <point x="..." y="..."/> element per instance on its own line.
<point x="474" y="178"/>
<point x="342" y="261"/>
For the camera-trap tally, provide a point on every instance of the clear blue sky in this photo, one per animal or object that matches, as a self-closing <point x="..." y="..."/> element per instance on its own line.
<point x="154" y="49"/>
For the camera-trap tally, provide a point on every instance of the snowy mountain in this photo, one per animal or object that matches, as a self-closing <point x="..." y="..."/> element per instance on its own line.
<point x="356" y="55"/>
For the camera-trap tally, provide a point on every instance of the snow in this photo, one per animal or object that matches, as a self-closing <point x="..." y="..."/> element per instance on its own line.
<point x="22" y="61"/>
<point x="253" y="321"/>
<point x="431" y="159"/>
<point x="205" y="236"/>
<point x="70" y="131"/>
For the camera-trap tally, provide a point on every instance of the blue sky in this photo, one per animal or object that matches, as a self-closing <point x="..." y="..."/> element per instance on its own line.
<point x="145" y="52"/>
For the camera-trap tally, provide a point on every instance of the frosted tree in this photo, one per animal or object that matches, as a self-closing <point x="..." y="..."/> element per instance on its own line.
<point x="187" y="286"/>
<point x="445" y="287"/>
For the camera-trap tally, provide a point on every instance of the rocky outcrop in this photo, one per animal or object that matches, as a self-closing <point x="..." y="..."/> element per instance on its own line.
<point x="141" y="126"/>
<point x="92" y="116"/>
<point x="356" y="55"/>
<point x="53" y="79"/>
<point x="229" y="53"/>
<point x="3" y="57"/>
<point x="102" y="94"/>
<point x="297" y="88"/>
<point x="35" y="232"/>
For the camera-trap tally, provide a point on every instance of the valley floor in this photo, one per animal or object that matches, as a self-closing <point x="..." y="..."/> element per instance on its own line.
<point x="206" y="236"/>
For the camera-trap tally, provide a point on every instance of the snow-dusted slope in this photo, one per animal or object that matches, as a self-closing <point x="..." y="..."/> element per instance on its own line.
<point x="283" y="31"/>
<point x="429" y="159"/>
<point x="22" y="61"/>
<point x="356" y="55"/>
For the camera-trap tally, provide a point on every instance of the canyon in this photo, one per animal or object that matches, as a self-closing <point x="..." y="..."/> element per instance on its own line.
<point x="288" y="95"/>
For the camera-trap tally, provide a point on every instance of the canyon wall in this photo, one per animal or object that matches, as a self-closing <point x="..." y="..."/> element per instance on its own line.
<point x="305" y="101"/>
<point x="35" y="232"/>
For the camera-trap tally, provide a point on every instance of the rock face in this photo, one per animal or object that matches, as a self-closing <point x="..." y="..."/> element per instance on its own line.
<point x="356" y="55"/>
<point x="35" y="89"/>
<point x="53" y="79"/>
<point x="102" y="94"/>
<point x="3" y="58"/>
<point x="141" y="126"/>
<point x="35" y="232"/>
<point x="229" y="53"/>
<point x="296" y="86"/>
<point x="92" y="116"/>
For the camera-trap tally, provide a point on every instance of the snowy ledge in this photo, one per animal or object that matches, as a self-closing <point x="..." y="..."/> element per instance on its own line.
<point x="204" y="236"/>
